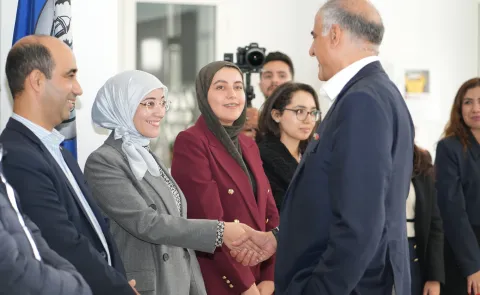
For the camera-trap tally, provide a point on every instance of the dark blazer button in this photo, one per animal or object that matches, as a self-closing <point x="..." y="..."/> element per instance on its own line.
<point x="104" y="255"/>
<point x="166" y="257"/>
<point x="153" y="207"/>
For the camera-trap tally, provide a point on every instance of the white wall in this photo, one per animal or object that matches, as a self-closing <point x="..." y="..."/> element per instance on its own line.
<point x="441" y="36"/>
<point x="7" y="20"/>
<point x="95" y="44"/>
<point x="437" y="35"/>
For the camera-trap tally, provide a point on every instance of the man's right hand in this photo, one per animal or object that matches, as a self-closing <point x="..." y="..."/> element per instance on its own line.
<point x="132" y="284"/>
<point x="473" y="283"/>
<point x="252" y="291"/>
<point x="266" y="241"/>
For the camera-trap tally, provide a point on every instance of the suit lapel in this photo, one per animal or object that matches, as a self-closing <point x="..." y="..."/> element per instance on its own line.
<point x="19" y="127"/>
<point x="80" y="179"/>
<point x="233" y="170"/>
<point x="157" y="183"/>
<point x="171" y="198"/>
<point x="310" y="147"/>
<point x="249" y="158"/>
<point x="370" y="69"/>
<point x="182" y="197"/>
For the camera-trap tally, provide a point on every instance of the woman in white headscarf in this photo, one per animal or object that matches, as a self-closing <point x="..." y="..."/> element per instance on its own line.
<point x="135" y="190"/>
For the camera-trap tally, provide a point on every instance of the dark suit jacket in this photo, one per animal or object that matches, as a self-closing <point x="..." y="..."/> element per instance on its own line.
<point x="216" y="187"/>
<point x="342" y="227"/>
<point x="279" y="166"/>
<point x="428" y="229"/>
<point x="458" y="193"/>
<point x="47" y="197"/>
<point x="20" y="271"/>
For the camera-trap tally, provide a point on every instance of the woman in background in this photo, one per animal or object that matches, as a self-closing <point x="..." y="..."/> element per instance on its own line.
<point x="220" y="171"/>
<point x="457" y="172"/>
<point x="424" y="228"/>
<point x="146" y="207"/>
<point x="286" y="123"/>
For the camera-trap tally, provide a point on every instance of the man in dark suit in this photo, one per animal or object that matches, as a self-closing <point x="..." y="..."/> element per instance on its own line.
<point x="343" y="223"/>
<point x="41" y="73"/>
<point x="27" y="264"/>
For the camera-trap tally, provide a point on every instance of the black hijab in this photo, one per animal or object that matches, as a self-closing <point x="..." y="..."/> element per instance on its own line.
<point x="228" y="135"/>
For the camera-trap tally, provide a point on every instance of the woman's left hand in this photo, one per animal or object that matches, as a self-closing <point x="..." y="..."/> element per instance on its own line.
<point x="431" y="288"/>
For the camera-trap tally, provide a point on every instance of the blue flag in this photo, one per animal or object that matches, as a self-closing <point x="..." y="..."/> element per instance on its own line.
<point x="49" y="17"/>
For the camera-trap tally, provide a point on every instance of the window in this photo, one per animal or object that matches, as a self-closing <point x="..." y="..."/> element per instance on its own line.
<point x="174" y="41"/>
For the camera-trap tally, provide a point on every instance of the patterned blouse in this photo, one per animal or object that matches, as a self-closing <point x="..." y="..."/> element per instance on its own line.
<point x="178" y="202"/>
<point x="172" y="188"/>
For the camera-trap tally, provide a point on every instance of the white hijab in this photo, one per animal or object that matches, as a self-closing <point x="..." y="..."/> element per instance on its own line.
<point x="114" y="108"/>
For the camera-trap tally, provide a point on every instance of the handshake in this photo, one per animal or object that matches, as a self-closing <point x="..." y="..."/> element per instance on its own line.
<point x="248" y="246"/>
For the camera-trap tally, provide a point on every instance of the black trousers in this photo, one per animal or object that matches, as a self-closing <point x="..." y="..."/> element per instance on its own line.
<point x="415" y="270"/>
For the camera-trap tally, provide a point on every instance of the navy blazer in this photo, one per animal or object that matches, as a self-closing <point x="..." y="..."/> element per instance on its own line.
<point x="20" y="271"/>
<point x="458" y="191"/>
<point x="342" y="225"/>
<point x="47" y="197"/>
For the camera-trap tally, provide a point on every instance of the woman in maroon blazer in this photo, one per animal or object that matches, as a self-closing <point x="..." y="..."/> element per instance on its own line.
<point x="220" y="172"/>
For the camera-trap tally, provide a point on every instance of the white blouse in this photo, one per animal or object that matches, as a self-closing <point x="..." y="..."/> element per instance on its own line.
<point x="411" y="211"/>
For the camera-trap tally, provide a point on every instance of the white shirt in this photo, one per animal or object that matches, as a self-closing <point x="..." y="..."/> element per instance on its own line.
<point x="334" y="86"/>
<point x="411" y="211"/>
<point x="13" y="202"/>
<point x="52" y="140"/>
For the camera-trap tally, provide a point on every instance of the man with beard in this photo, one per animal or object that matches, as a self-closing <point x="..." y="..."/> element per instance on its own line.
<point x="277" y="69"/>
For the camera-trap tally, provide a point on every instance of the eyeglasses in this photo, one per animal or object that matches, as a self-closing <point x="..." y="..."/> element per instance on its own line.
<point x="302" y="114"/>
<point x="150" y="105"/>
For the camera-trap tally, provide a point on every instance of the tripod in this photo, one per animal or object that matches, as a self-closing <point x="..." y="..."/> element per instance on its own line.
<point x="249" y="91"/>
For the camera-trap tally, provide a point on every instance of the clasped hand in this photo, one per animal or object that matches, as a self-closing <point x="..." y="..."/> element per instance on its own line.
<point x="247" y="245"/>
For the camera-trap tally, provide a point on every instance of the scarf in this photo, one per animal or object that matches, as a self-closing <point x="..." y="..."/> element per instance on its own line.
<point x="228" y="135"/>
<point x="114" y="108"/>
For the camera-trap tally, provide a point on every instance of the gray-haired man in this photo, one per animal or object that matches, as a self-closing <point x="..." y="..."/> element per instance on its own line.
<point x="343" y="223"/>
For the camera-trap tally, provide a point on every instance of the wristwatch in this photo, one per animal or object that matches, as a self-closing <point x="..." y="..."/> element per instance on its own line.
<point x="275" y="232"/>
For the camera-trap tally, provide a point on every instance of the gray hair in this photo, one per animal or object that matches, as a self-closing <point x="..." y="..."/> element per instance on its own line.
<point x="358" y="25"/>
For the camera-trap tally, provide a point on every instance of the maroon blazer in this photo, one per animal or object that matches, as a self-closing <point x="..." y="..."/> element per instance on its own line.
<point x="216" y="187"/>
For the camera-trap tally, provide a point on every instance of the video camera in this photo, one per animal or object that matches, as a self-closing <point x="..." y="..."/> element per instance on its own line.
<point x="250" y="59"/>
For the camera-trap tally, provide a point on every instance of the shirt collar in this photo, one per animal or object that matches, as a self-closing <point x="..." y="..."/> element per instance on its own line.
<point x="334" y="86"/>
<point x="54" y="137"/>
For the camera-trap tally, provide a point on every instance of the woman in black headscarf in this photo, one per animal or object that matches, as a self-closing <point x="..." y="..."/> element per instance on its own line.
<point x="221" y="174"/>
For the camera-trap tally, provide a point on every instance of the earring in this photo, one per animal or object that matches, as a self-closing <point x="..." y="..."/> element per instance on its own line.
<point x="278" y="121"/>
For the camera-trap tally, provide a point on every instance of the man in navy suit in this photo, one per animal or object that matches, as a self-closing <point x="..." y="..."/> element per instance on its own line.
<point x="343" y="224"/>
<point x="41" y="73"/>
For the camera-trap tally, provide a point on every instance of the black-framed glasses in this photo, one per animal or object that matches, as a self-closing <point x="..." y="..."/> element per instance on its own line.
<point x="303" y="113"/>
<point x="150" y="105"/>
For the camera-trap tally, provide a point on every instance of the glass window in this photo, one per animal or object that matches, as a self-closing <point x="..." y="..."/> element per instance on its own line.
<point x="174" y="41"/>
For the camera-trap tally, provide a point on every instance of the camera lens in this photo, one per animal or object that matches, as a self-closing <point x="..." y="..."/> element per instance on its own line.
<point x="255" y="58"/>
